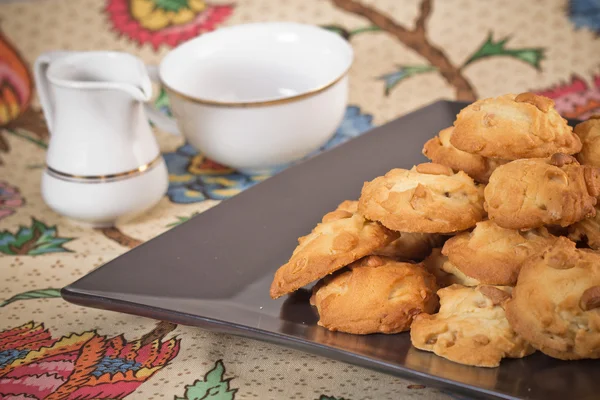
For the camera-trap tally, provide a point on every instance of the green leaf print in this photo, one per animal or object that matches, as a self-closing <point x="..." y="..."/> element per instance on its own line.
<point x="403" y="72"/>
<point x="347" y="34"/>
<point x="213" y="387"/>
<point x="337" y="29"/>
<point x="29" y="138"/>
<point x="32" y="294"/>
<point x="171" y="5"/>
<point x="162" y="102"/>
<point x="33" y="240"/>
<point x="181" y="220"/>
<point x="531" y="56"/>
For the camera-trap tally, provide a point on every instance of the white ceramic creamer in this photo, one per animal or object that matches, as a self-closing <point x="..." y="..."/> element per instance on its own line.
<point x="103" y="163"/>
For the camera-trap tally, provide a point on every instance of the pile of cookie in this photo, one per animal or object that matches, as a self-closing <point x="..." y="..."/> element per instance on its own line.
<point x="487" y="252"/>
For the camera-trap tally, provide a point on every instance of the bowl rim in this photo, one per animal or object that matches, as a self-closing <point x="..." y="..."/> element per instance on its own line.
<point x="259" y="103"/>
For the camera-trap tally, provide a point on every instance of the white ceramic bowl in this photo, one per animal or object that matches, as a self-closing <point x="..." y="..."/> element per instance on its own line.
<point x="259" y="95"/>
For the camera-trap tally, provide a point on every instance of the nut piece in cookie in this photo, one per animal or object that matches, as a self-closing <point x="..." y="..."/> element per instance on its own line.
<point x="375" y="295"/>
<point x="556" y="303"/>
<point x="494" y="255"/>
<point x="429" y="198"/>
<point x="530" y="193"/>
<point x="513" y="126"/>
<point x="341" y="238"/>
<point x="589" y="133"/>
<point x="441" y="151"/>
<point x="587" y="231"/>
<point x="471" y="327"/>
<point x="411" y="246"/>
<point x="445" y="272"/>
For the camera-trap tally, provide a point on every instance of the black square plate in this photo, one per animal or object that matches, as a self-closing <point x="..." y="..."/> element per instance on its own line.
<point x="215" y="270"/>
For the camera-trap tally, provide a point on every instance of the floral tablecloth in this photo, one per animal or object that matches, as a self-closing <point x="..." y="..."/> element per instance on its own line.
<point x="408" y="53"/>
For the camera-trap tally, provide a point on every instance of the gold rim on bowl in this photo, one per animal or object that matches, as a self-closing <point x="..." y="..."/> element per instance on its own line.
<point x="260" y="103"/>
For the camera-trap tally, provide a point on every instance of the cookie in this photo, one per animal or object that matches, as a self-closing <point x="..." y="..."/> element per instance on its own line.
<point x="350" y="206"/>
<point x="429" y="198"/>
<point x="445" y="272"/>
<point x="589" y="133"/>
<point x="375" y="295"/>
<point x="512" y="126"/>
<point x="341" y="238"/>
<point x="411" y="246"/>
<point x="470" y="328"/>
<point x="587" y="231"/>
<point x="530" y="193"/>
<point x="556" y="303"/>
<point x="441" y="151"/>
<point x="437" y="366"/>
<point x="493" y="255"/>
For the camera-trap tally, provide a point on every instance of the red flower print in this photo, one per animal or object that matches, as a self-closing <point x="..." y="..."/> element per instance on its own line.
<point x="10" y="199"/>
<point x="167" y="22"/>
<point x="575" y="99"/>
<point x="78" y="366"/>
<point x="15" y="83"/>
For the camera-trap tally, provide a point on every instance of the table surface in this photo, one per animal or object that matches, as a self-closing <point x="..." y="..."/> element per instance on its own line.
<point x="55" y="350"/>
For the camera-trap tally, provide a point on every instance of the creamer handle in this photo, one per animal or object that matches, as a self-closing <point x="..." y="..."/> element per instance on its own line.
<point x="42" y="84"/>
<point x="162" y="121"/>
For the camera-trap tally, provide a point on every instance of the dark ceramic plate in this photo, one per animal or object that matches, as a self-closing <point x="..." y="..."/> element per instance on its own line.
<point x="215" y="271"/>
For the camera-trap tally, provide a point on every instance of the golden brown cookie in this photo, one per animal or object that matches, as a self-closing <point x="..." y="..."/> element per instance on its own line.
<point x="430" y="198"/>
<point x="470" y="328"/>
<point x="530" y="193"/>
<point x="493" y="255"/>
<point x="445" y="272"/>
<point x="411" y="246"/>
<point x="437" y="366"/>
<point x="350" y="206"/>
<point x="587" y="231"/>
<point x="341" y="238"/>
<point x="440" y="151"/>
<point x="513" y="126"/>
<point x="589" y="133"/>
<point x="556" y="303"/>
<point x="375" y="295"/>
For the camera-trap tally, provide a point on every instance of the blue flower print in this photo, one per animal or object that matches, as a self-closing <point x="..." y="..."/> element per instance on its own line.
<point x="194" y="178"/>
